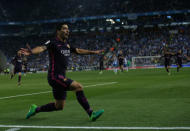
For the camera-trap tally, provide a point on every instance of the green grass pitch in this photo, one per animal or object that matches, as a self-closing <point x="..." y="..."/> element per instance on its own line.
<point x="138" y="98"/>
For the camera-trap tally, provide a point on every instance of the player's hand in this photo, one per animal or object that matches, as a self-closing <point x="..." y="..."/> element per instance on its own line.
<point x="25" y="51"/>
<point x="98" y="51"/>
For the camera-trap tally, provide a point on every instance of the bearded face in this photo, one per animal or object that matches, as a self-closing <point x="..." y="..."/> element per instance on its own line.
<point x="64" y="32"/>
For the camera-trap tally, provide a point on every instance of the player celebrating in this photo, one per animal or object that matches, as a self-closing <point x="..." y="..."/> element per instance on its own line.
<point x="167" y="57"/>
<point x="59" y="52"/>
<point x="17" y="62"/>
<point x="179" y="59"/>
<point x="101" y="60"/>
<point x="126" y="65"/>
<point x="121" y="60"/>
<point x="24" y="65"/>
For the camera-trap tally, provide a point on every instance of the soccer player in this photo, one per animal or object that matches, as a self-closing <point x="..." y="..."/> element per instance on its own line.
<point x="17" y="62"/>
<point x="24" y="65"/>
<point x="59" y="52"/>
<point x="179" y="59"/>
<point x="187" y="55"/>
<point x="167" y="57"/>
<point x="121" y="60"/>
<point x="126" y="65"/>
<point x="101" y="66"/>
<point x="115" y="63"/>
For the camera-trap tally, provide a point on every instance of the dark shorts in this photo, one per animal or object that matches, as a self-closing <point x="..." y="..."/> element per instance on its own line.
<point x="101" y="65"/>
<point x="121" y="63"/>
<point x="167" y="62"/>
<point x="60" y="85"/>
<point x="17" y="69"/>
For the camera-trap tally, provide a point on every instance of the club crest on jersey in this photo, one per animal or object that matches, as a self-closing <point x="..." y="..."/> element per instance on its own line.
<point x="68" y="45"/>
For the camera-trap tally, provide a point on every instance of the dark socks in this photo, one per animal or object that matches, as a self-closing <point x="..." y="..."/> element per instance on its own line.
<point x="19" y="79"/>
<point x="47" y="108"/>
<point x="83" y="102"/>
<point x="167" y="70"/>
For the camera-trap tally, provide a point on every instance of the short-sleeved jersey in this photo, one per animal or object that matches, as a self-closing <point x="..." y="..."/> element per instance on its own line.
<point x="179" y="55"/>
<point x="188" y="52"/>
<point x="59" y="53"/>
<point x="101" y="59"/>
<point x="167" y="56"/>
<point x="120" y="58"/>
<point x="17" y="61"/>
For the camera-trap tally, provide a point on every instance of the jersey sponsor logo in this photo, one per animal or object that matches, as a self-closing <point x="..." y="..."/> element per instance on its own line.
<point x="65" y="52"/>
<point x="19" y="61"/>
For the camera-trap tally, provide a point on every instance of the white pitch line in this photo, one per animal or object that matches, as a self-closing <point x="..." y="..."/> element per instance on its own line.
<point x="108" y="83"/>
<point x="13" y="129"/>
<point x="1" y="98"/>
<point x="98" y="128"/>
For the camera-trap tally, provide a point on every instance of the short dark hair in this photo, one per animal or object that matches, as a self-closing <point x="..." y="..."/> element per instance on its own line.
<point x="59" y="26"/>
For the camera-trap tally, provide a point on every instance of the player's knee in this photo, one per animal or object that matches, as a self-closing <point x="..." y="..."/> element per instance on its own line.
<point x="79" y="87"/>
<point x="59" y="106"/>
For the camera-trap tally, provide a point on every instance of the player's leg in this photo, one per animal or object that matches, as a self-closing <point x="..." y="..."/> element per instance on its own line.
<point x="59" y="94"/>
<point x="179" y="65"/>
<point x="115" y="68"/>
<point x="167" y="66"/>
<point x="101" y="68"/>
<point x="19" y="78"/>
<point x="121" y="67"/>
<point x="127" y="67"/>
<point x="13" y="73"/>
<point x="77" y="87"/>
<point x="54" y="106"/>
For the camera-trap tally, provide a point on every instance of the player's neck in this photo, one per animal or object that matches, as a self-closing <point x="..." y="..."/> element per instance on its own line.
<point x="61" y="39"/>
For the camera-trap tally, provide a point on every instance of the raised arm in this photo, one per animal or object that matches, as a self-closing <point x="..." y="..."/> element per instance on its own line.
<point x="38" y="49"/>
<point x="86" y="52"/>
<point x="35" y="50"/>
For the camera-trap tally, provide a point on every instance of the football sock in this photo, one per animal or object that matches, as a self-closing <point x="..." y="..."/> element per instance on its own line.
<point x="47" y="108"/>
<point x="83" y="102"/>
<point x="115" y="70"/>
<point x="167" y="70"/>
<point x="12" y="76"/>
<point x="19" y="78"/>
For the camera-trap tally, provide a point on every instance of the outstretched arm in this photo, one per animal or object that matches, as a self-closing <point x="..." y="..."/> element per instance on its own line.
<point x="86" y="52"/>
<point x="35" y="50"/>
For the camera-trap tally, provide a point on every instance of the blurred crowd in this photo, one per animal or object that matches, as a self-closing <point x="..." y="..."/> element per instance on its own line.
<point x="58" y="9"/>
<point x="139" y="42"/>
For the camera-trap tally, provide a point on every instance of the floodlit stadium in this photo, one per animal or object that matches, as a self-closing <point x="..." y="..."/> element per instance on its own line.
<point x="124" y="65"/>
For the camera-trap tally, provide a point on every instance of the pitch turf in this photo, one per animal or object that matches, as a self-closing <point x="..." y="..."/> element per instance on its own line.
<point x="138" y="98"/>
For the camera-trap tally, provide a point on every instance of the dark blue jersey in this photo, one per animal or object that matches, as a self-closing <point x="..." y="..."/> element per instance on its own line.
<point x="179" y="56"/>
<point x="101" y="58"/>
<point x="167" y="56"/>
<point x="59" y="53"/>
<point x="17" y="61"/>
<point x="121" y="57"/>
<point x="188" y="52"/>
